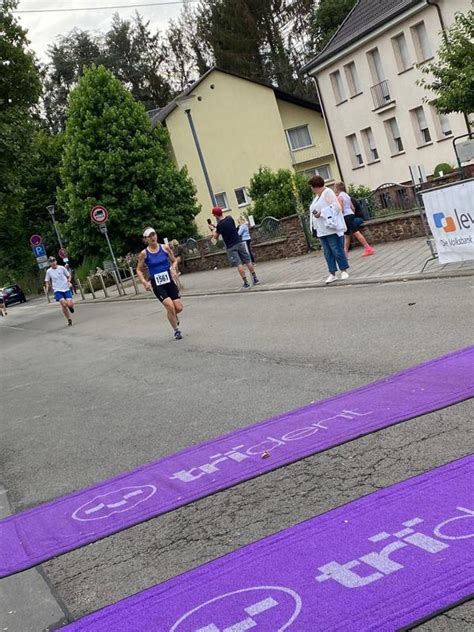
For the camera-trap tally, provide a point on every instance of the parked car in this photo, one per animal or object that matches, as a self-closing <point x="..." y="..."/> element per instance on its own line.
<point x="13" y="294"/>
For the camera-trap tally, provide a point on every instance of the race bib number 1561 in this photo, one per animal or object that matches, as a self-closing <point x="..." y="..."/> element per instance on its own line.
<point x="162" y="277"/>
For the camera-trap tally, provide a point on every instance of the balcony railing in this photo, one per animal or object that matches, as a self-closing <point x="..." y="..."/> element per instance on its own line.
<point x="381" y="94"/>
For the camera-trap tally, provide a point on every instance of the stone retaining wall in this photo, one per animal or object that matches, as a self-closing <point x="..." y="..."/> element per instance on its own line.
<point x="394" y="228"/>
<point x="293" y="243"/>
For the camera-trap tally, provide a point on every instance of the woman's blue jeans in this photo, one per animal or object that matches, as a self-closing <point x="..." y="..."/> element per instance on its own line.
<point x="333" y="248"/>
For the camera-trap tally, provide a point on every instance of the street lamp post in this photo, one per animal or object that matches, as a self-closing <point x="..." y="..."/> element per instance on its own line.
<point x="51" y="211"/>
<point x="185" y="104"/>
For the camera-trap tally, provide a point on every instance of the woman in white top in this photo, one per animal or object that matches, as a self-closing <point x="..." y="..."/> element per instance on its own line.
<point x="326" y="217"/>
<point x="351" y="221"/>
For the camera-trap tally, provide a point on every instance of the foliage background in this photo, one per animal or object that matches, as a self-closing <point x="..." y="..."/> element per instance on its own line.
<point x="278" y="193"/>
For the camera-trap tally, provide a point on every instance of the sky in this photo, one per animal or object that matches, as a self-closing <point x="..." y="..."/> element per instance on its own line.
<point x="44" y="28"/>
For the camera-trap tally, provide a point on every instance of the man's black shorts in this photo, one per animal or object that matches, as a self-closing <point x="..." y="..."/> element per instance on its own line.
<point x="168" y="290"/>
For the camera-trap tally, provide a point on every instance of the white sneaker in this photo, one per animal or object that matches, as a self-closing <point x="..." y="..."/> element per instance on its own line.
<point x="331" y="278"/>
<point x="344" y="275"/>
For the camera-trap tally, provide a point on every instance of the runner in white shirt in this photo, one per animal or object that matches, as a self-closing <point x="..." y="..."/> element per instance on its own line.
<point x="59" y="279"/>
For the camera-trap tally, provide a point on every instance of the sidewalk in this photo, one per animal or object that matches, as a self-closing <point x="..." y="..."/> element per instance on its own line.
<point x="394" y="261"/>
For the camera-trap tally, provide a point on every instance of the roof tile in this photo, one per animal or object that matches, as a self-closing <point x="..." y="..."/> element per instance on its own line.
<point x="365" y="16"/>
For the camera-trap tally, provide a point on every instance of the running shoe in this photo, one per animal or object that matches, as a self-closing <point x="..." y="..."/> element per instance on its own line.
<point x="344" y="275"/>
<point x="368" y="251"/>
<point x="245" y="286"/>
<point x="331" y="278"/>
<point x="255" y="281"/>
<point x="178" y="335"/>
<point x="69" y="322"/>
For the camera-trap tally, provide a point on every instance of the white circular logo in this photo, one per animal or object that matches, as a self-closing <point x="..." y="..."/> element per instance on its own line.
<point x="458" y="529"/>
<point x="118" y="501"/>
<point x="263" y="608"/>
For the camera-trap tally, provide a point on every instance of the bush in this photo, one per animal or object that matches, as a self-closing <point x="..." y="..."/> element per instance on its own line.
<point x="88" y="267"/>
<point x="278" y="193"/>
<point x="443" y="167"/>
<point x="361" y="191"/>
<point x="30" y="282"/>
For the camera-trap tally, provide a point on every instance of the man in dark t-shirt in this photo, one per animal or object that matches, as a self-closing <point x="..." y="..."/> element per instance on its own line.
<point x="237" y="251"/>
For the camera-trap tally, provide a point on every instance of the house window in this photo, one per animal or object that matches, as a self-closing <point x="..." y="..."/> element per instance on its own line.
<point x="420" y="125"/>
<point x="352" y="79"/>
<point x="338" y="86"/>
<point x="221" y="200"/>
<point x="393" y="135"/>
<point x="299" y="137"/>
<point x="402" y="55"/>
<point x="444" y="125"/>
<point x="369" y="144"/>
<point x="355" y="152"/>
<point x="323" y="171"/>
<point x="421" y="42"/>
<point x="375" y="65"/>
<point x="242" y="196"/>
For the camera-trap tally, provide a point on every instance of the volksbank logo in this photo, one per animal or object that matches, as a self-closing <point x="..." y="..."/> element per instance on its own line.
<point x="446" y="223"/>
<point x="449" y="224"/>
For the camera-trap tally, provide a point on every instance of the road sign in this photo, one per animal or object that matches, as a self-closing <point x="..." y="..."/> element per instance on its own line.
<point x="62" y="253"/>
<point x="41" y="266"/>
<point x="99" y="214"/>
<point x="39" y="251"/>
<point x="41" y="259"/>
<point x="36" y="240"/>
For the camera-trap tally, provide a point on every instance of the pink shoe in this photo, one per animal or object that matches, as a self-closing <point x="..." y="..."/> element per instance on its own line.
<point x="368" y="251"/>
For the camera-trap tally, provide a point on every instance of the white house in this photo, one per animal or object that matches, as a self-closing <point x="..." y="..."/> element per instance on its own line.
<point x="380" y="120"/>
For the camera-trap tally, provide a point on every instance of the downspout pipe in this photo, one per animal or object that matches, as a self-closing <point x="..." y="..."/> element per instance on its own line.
<point x="433" y="3"/>
<point x="323" y="109"/>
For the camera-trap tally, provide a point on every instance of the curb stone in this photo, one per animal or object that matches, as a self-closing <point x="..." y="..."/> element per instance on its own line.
<point x="297" y="285"/>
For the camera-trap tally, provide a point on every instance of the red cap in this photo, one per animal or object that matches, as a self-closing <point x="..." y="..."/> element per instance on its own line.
<point x="217" y="211"/>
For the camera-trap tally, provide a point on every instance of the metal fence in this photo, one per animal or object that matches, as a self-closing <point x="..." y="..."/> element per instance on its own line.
<point x="212" y="245"/>
<point x="268" y="230"/>
<point x="392" y="199"/>
<point x="190" y="248"/>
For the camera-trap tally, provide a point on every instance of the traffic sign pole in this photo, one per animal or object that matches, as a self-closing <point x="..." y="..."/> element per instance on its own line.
<point x="100" y="215"/>
<point x="104" y="231"/>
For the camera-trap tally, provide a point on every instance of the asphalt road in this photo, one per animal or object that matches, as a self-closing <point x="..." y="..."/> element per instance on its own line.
<point x="115" y="391"/>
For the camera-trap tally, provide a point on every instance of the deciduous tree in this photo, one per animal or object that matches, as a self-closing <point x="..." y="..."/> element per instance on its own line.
<point x="19" y="92"/>
<point x="113" y="157"/>
<point x="452" y="74"/>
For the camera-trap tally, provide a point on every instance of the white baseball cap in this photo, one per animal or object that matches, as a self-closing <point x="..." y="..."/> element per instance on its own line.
<point x="148" y="231"/>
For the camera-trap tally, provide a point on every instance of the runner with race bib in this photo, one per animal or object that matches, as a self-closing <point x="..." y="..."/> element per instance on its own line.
<point x="161" y="264"/>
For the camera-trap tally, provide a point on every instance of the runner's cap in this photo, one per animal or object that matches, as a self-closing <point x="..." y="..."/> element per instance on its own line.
<point x="51" y="259"/>
<point x="217" y="211"/>
<point x="148" y="231"/>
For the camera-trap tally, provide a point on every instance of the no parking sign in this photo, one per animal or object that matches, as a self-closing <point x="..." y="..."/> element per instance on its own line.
<point x="99" y="215"/>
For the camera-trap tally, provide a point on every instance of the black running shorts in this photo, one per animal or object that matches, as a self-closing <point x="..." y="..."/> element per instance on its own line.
<point x="168" y="290"/>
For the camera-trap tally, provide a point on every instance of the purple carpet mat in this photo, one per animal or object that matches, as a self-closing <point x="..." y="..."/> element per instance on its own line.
<point x="382" y="562"/>
<point x="90" y="514"/>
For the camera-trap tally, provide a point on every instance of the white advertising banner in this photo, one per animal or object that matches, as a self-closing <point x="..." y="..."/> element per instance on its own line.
<point x="450" y="213"/>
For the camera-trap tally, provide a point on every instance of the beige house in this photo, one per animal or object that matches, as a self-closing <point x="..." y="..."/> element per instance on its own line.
<point x="379" y="118"/>
<point x="242" y="125"/>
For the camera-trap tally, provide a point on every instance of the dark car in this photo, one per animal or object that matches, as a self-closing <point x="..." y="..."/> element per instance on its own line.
<point x="13" y="294"/>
